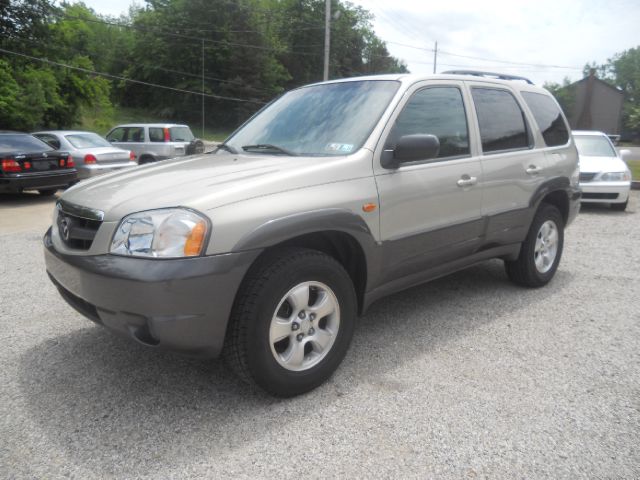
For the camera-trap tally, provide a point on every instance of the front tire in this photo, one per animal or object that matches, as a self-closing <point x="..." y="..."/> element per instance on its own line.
<point x="292" y="321"/>
<point x="541" y="251"/>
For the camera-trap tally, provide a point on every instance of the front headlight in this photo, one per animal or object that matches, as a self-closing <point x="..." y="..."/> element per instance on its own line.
<point x="165" y="233"/>
<point x="616" y="176"/>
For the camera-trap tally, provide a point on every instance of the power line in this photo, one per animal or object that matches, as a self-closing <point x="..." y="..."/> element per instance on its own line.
<point x="131" y="80"/>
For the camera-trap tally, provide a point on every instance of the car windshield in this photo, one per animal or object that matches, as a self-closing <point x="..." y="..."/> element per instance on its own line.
<point x="22" y="143"/>
<point x="181" y="134"/>
<point x="86" y="140"/>
<point x="321" y="120"/>
<point x="594" y="146"/>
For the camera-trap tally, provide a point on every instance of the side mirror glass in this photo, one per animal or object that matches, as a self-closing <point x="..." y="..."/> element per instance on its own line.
<point x="411" y="148"/>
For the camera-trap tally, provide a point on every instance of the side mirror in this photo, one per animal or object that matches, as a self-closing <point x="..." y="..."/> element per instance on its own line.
<point x="626" y="154"/>
<point x="411" y="148"/>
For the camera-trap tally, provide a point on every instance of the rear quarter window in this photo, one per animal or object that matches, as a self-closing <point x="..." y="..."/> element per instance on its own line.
<point x="548" y="117"/>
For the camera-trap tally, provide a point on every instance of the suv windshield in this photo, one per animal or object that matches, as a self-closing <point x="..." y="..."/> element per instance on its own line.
<point x="322" y="120"/>
<point x="594" y="146"/>
<point x="86" y="140"/>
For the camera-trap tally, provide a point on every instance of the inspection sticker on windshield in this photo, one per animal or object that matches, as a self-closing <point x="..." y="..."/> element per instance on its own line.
<point x="339" y="147"/>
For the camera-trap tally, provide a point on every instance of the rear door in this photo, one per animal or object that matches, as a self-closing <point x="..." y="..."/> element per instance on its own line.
<point x="513" y="168"/>
<point x="430" y="211"/>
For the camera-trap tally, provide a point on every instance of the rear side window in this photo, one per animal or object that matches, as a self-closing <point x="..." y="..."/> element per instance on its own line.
<point x="548" y="117"/>
<point x="501" y="120"/>
<point x="49" y="139"/>
<point x="156" y="134"/>
<point x="436" y="111"/>
<point x="181" y="134"/>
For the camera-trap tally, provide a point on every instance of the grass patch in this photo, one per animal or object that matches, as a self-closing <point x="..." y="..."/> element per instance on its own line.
<point x="101" y="123"/>
<point x="634" y="166"/>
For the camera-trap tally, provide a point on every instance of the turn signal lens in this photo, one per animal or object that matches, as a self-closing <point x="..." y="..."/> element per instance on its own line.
<point x="89" y="159"/>
<point x="10" y="166"/>
<point x="70" y="162"/>
<point x="193" y="245"/>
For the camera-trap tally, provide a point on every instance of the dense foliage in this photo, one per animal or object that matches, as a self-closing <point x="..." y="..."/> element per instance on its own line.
<point x="253" y="50"/>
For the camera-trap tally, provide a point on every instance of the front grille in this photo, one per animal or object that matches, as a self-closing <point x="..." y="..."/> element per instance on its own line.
<point x="586" y="177"/>
<point x="599" y="196"/>
<point x="76" y="232"/>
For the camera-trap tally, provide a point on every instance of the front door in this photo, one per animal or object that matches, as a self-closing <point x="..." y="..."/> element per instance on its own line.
<point x="431" y="209"/>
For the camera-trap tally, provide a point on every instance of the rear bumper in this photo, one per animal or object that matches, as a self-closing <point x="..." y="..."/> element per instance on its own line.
<point x="181" y="305"/>
<point x="605" y="192"/>
<point x="15" y="183"/>
<point x="88" y="171"/>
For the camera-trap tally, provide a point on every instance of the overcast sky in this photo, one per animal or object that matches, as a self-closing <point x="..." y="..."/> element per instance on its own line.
<point x="538" y="34"/>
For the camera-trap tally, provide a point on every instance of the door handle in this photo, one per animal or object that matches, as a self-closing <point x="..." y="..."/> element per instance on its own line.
<point x="467" y="181"/>
<point x="533" y="170"/>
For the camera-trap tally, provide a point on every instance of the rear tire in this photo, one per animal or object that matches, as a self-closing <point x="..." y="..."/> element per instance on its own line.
<point x="292" y="321"/>
<point x="619" y="207"/>
<point x="541" y="251"/>
<point x="48" y="192"/>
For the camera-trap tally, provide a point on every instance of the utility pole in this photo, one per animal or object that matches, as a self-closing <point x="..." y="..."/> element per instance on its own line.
<point x="327" y="38"/>
<point x="435" y="57"/>
<point x="203" y="88"/>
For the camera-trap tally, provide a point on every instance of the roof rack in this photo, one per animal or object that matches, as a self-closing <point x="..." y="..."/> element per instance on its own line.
<point x="478" y="73"/>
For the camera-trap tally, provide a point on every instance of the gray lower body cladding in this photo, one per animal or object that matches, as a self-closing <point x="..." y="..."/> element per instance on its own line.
<point x="181" y="305"/>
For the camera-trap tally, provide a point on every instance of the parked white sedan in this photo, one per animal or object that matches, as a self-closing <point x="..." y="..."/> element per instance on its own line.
<point x="604" y="176"/>
<point x="91" y="153"/>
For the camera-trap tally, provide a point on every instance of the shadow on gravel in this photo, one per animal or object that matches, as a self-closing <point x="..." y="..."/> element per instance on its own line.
<point x="100" y="398"/>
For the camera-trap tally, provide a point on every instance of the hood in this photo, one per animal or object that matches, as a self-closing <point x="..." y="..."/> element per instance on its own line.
<point x="208" y="181"/>
<point x="601" y="164"/>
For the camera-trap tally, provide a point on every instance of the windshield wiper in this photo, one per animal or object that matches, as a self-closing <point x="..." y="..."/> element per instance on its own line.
<point x="261" y="147"/>
<point x="227" y="147"/>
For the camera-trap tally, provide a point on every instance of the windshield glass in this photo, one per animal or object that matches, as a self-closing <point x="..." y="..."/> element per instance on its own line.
<point x="22" y="143"/>
<point x="323" y="120"/>
<point x="181" y="134"/>
<point x="87" y="140"/>
<point x="594" y="146"/>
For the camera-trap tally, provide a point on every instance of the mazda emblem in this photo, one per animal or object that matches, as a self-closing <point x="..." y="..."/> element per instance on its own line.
<point x="64" y="229"/>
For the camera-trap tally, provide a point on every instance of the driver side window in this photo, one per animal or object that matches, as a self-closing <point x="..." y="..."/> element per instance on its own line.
<point x="436" y="111"/>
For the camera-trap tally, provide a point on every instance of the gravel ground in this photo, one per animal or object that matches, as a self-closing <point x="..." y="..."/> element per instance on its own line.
<point x="465" y="377"/>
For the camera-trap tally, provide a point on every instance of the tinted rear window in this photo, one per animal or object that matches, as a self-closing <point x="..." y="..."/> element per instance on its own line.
<point x="501" y="120"/>
<point x="22" y="143"/>
<point x="181" y="134"/>
<point x="548" y="117"/>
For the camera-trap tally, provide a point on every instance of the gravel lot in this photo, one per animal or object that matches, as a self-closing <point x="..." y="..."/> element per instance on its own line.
<point x="465" y="377"/>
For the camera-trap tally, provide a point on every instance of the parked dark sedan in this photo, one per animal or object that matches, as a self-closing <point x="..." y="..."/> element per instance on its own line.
<point x="27" y="163"/>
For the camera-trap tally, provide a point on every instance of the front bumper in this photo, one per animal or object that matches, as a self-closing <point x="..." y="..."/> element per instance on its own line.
<point x="605" y="192"/>
<point x="181" y="305"/>
<point x="15" y="183"/>
<point x="88" y="171"/>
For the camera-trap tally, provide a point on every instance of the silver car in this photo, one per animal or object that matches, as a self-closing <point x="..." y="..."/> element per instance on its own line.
<point x="91" y="153"/>
<point x="152" y="142"/>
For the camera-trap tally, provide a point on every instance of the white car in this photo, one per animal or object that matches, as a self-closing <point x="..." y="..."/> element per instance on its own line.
<point x="604" y="176"/>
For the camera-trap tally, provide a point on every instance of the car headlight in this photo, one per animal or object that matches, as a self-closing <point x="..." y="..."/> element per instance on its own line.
<point x="616" y="176"/>
<point x="164" y="233"/>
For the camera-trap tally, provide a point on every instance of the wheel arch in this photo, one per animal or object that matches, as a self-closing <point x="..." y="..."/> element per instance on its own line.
<point x="338" y="233"/>
<point x="556" y="192"/>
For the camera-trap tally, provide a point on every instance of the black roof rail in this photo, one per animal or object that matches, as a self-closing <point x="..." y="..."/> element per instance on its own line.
<point x="478" y="73"/>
